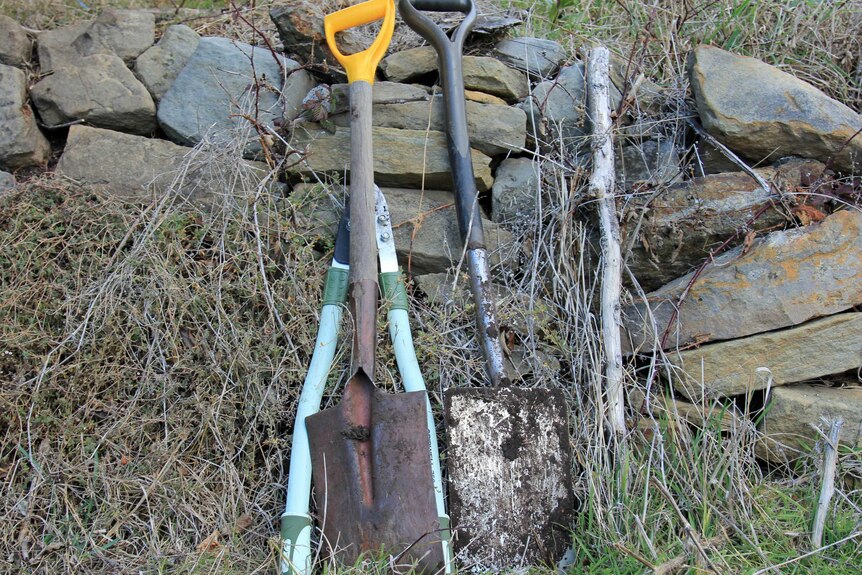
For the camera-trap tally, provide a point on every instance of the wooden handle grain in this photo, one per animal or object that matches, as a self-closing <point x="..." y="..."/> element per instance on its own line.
<point x="363" y="243"/>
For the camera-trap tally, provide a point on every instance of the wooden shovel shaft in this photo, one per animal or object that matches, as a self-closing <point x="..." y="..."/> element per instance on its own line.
<point x="363" y="243"/>
<point x="358" y="395"/>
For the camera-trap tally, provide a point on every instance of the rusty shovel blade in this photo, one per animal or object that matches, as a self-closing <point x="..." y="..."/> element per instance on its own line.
<point x="373" y="478"/>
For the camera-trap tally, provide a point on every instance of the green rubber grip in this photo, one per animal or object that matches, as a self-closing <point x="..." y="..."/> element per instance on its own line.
<point x="335" y="288"/>
<point x="445" y="530"/>
<point x="394" y="290"/>
<point x="291" y="527"/>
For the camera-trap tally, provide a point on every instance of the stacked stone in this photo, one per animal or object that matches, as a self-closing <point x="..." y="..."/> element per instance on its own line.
<point x="764" y="322"/>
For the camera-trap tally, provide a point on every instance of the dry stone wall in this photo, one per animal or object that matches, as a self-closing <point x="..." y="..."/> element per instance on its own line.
<point x="744" y="276"/>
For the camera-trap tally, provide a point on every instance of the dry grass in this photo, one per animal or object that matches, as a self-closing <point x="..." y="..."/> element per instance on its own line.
<point x="207" y="17"/>
<point x="149" y="374"/>
<point x="820" y="41"/>
<point x="148" y="390"/>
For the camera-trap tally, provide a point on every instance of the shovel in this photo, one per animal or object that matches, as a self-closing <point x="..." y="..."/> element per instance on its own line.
<point x="509" y="455"/>
<point x="370" y="455"/>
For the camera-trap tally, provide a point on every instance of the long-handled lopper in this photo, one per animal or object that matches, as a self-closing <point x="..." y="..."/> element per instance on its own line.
<point x="509" y="455"/>
<point x="296" y="522"/>
<point x="370" y="455"/>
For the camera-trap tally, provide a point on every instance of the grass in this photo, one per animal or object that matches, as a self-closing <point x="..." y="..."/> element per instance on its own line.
<point x="147" y="425"/>
<point x="819" y="41"/>
<point x="151" y="356"/>
<point x="207" y="17"/>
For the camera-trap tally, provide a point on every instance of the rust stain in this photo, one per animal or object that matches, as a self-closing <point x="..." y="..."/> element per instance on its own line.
<point x="791" y="269"/>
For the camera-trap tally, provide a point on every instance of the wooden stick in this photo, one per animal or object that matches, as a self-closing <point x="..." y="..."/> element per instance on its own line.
<point x="827" y="488"/>
<point x="602" y="182"/>
<point x="693" y="535"/>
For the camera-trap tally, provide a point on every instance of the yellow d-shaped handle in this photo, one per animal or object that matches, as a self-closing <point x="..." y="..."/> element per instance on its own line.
<point x="362" y="65"/>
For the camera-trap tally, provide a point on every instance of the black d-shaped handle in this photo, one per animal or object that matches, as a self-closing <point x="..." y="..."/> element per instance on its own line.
<point x="443" y="5"/>
<point x="428" y="29"/>
<point x="451" y="76"/>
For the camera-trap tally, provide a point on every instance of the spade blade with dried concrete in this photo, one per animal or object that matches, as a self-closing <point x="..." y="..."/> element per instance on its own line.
<point x="509" y="455"/>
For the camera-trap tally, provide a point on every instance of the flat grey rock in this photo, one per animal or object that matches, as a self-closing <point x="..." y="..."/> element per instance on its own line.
<point x="536" y="56"/>
<point x="784" y="279"/>
<point x="514" y="196"/>
<point x="651" y="162"/>
<point x="294" y="89"/>
<point x="556" y="108"/>
<point x="481" y="73"/>
<point x="141" y="169"/>
<point x="794" y="409"/>
<point x="760" y="112"/>
<point x="54" y="47"/>
<point x="672" y="230"/>
<point x="300" y="27"/>
<point x="16" y="45"/>
<point x="491" y="76"/>
<point x="493" y="128"/>
<point x="402" y="158"/>
<point x="382" y="92"/>
<point x="409" y="64"/>
<point x="21" y="142"/>
<point x="426" y="232"/>
<point x="829" y="345"/>
<point x="100" y="90"/>
<point x="159" y="66"/>
<point x="496" y="24"/>
<point x="219" y="84"/>
<point x="124" y="33"/>
<point x="7" y="181"/>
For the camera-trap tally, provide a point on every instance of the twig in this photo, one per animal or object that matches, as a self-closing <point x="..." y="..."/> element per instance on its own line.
<point x="777" y="566"/>
<point x="635" y="555"/>
<point x="237" y="13"/>
<point x="63" y="125"/>
<point x="689" y="530"/>
<point x="695" y="125"/>
<point x="602" y="188"/>
<point x="827" y="489"/>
